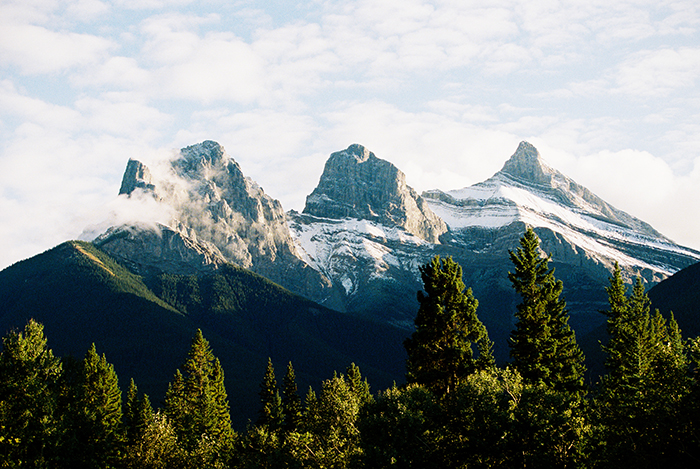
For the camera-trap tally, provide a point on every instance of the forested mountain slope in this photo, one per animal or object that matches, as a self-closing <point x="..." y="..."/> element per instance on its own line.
<point x="145" y="325"/>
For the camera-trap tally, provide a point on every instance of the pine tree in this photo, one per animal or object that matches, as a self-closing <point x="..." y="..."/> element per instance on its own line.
<point x="197" y="404"/>
<point x="332" y="417"/>
<point x="29" y="374"/>
<point x="642" y="395"/>
<point x="440" y="350"/>
<point x="291" y="402"/>
<point x="543" y="346"/>
<point x="270" y="414"/>
<point x="138" y="414"/>
<point x="617" y="319"/>
<point x="100" y="412"/>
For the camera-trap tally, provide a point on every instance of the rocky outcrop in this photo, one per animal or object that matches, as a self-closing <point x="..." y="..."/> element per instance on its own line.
<point x="152" y="249"/>
<point x="216" y="205"/>
<point x="357" y="184"/>
<point x="136" y="176"/>
<point x="527" y="167"/>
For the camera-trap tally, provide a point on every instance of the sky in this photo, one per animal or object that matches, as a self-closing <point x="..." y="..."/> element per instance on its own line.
<point x="445" y="90"/>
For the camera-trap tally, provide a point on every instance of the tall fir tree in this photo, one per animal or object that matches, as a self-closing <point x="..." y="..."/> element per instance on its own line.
<point x="543" y="346"/>
<point x="92" y="434"/>
<point x="616" y="320"/>
<point x="291" y="402"/>
<point x="270" y="414"/>
<point x="138" y="414"/>
<point x="101" y="409"/>
<point x="440" y="351"/>
<point x="197" y="404"/>
<point x="29" y="375"/>
<point x="642" y="395"/>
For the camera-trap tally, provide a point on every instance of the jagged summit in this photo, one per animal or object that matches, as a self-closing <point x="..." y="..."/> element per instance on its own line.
<point x="136" y="176"/>
<point x="526" y="164"/>
<point x="357" y="184"/>
<point x="360" y="153"/>
<point x="218" y="215"/>
<point x="528" y="191"/>
<point x="195" y="160"/>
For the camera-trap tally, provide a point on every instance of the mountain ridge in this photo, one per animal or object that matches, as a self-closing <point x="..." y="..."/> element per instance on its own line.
<point x="359" y="243"/>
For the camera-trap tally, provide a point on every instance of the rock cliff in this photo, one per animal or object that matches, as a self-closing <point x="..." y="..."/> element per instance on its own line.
<point x="220" y="214"/>
<point x="357" y="184"/>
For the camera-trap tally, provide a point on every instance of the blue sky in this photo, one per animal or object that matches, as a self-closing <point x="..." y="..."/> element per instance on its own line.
<point x="606" y="90"/>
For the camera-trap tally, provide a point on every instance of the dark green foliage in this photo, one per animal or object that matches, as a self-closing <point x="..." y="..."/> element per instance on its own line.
<point x="680" y="294"/>
<point x="543" y="346"/>
<point x="331" y="421"/>
<point x="401" y="429"/>
<point x="643" y="396"/>
<point x="81" y="296"/>
<point x="440" y="351"/>
<point x="197" y="405"/>
<point x="291" y="402"/>
<point x="91" y="414"/>
<point x="138" y="414"/>
<point x="270" y="414"/>
<point x="28" y="382"/>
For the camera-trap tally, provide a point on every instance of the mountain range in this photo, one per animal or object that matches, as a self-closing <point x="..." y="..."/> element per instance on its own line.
<point x="341" y="276"/>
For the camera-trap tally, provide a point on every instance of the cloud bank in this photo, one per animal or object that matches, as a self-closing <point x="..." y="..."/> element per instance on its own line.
<point x="444" y="90"/>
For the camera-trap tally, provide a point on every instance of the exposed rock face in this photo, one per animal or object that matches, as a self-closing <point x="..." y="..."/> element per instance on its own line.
<point x="152" y="249"/>
<point x="586" y="228"/>
<point x="357" y="184"/>
<point x="354" y="231"/>
<point x="364" y="233"/>
<point x="216" y="206"/>
<point x="136" y="176"/>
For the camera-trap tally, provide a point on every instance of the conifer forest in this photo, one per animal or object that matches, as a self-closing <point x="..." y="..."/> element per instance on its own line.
<point x="456" y="409"/>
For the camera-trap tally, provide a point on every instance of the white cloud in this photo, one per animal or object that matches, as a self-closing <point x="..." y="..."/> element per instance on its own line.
<point x="16" y="105"/>
<point x="35" y="49"/>
<point x="121" y="72"/>
<point x="445" y="90"/>
<point x="209" y="68"/>
<point x="659" y="72"/>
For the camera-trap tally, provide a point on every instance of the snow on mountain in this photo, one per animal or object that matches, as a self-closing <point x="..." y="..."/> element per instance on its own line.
<point x="527" y="190"/>
<point x="335" y="248"/>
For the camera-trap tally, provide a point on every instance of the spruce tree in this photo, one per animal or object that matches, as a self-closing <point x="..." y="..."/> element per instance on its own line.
<point x="101" y="409"/>
<point x="543" y="347"/>
<point x="270" y="414"/>
<point x="291" y="402"/>
<point x="138" y="414"/>
<point x="197" y="404"/>
<point x="29" y="374"/>
<point x="440" y="351"/>
<point x="617" y="319"/>
<point x="641" y="403"/>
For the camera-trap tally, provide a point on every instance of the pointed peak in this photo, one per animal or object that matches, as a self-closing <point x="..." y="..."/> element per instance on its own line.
<point x="526" y="164"/>
<point x="359" y="152"/>
<point x="208" y="151"/>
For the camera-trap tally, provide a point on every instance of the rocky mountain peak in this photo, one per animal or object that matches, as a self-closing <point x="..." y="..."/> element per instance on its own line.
<point x="360" y="153"/>
<point x="205" y="154"/>
<point x="357" y="184"/>
<point x="527" y="165"/>
<point x="218" y="215"/>
<point x="136" y="176"/>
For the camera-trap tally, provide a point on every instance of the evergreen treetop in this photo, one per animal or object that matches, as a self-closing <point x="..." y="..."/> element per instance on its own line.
<point x="440" y="351"/>
<point x="543" y="346"/>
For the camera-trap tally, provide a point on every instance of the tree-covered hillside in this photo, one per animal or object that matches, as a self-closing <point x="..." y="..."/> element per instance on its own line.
<point x="458" y="409"/>
<point x="82" y="296"/>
